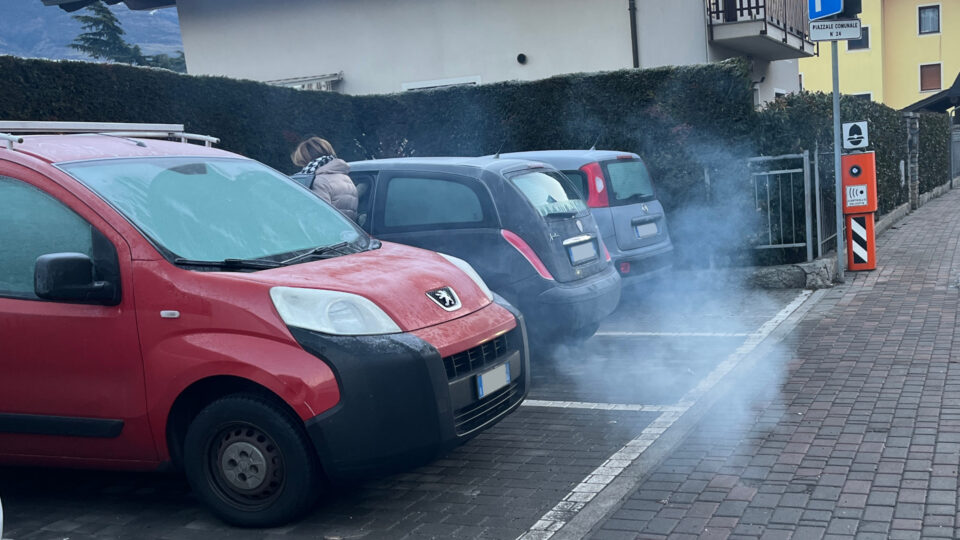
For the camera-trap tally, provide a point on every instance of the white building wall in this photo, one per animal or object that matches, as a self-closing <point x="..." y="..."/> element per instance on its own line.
<point x="381" y="45"/>
<point x="672" y="33"/>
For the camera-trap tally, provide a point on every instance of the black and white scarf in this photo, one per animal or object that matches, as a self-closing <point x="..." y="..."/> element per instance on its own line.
<point x="312" y="167"/>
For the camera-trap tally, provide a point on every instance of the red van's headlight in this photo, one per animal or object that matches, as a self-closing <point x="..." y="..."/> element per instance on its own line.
<point x="331" y="312"/>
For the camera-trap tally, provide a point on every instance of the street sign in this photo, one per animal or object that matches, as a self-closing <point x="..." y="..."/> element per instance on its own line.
<point x="855" y="136"/>
<point x="835" y="30"/>
<point x="824" y="8"/>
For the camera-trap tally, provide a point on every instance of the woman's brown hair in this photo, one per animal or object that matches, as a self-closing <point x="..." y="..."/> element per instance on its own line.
<point x="311" y="149"/>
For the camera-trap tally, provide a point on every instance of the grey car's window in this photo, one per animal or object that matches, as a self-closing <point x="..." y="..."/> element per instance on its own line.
<point x="211" y="209"/>
<point x="33" y="223"/>
<point x="413" y="201"/>
<point x="550" y="193"/>
<point x="629" y="181"/>
<point x="579" y="178"/>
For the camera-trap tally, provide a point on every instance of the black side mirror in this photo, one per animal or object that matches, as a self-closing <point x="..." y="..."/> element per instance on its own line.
<point x="69" y="277"/>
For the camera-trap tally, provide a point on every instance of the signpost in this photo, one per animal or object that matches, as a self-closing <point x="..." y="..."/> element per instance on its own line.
<point x="825" y="8"/>
<point x="855" y="136"/>
<point x="835" y="30"/>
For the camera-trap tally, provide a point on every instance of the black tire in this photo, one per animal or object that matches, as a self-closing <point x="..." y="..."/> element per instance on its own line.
<point x="251" y="462"/>
<point x="582" y="334"/>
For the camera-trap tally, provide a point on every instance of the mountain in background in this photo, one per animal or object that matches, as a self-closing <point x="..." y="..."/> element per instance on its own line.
<point x="29" y="28"/>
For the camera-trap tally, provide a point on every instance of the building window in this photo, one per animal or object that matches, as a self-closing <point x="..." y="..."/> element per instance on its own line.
<point x="930" y="77"/>
<point x="862" y="43"/>
<point x="929" y="19"/>
<point x="868" y="96"/>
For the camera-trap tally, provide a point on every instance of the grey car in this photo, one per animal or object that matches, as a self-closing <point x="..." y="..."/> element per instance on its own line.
<point x="623" y="201"/>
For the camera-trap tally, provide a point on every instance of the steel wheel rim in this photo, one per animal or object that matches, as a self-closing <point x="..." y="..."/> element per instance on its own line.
<point x="246" y="465"/>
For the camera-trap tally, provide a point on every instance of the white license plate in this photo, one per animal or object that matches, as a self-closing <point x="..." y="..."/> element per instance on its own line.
<point x="493" y="380"/>
<point x="647" y="229"/>
<point x="581" y="253"/>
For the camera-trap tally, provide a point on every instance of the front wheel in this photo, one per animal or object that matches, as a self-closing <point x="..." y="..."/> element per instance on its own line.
<point x="251" y="462"/>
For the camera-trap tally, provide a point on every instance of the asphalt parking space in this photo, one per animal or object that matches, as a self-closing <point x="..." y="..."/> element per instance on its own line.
<point x="649" y="370"/>
<point x="589" y="406"/>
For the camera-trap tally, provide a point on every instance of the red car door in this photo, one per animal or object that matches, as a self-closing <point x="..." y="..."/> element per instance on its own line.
<point x="71" y="374"/>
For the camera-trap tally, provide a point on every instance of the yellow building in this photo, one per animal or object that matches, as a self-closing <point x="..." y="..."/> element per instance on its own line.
<point x="910" y="49"/>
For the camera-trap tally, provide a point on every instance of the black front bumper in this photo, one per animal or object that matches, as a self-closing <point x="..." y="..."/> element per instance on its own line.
<point x="401" y="403"/>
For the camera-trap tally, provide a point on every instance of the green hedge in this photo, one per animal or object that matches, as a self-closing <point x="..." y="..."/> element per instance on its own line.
<point x="805" y="121"/>
<point x="668" y="115"/>
<point x="934" y="151"/>
<point x="682" y="120"/>
<point x="251" y="118"/>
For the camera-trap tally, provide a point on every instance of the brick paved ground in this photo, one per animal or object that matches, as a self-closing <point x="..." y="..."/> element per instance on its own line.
<point x="492" y="488"/>
<point x="862" y="438"/>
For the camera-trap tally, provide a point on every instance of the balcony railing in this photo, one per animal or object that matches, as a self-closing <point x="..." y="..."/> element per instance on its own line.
<point x="785" y="21"/>
<point x="790" y="15"/>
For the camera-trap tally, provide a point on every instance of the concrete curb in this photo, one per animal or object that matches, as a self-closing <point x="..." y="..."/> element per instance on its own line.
<point x="934" y="193"/>
<point x="891" y="218"/>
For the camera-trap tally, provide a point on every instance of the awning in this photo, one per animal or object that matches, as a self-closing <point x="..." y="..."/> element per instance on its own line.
<point x="939" y="102"/>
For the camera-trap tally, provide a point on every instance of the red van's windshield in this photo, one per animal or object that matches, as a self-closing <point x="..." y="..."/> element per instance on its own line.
<point x="208" y="209"/>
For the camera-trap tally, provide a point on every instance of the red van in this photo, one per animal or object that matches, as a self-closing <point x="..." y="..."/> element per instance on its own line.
<point x="169" y="303"/>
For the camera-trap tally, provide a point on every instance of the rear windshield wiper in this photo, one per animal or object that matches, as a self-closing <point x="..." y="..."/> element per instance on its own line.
<point x="561" y="214"/>
<point x="230" y="264"/>
<point x="318" y="251"/>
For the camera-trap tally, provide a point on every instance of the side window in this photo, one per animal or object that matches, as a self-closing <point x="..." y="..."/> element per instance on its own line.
<point x="579" y="179"/>
<point x="364" y="183"/>
<point x="33" y="223"/>
<point x="418" y="202"/>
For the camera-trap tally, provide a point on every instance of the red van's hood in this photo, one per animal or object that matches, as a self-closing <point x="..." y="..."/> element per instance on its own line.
<point x="395" y="277"/>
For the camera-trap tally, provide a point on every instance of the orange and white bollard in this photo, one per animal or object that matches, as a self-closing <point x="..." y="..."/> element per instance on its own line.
<point x="861" y="242"/>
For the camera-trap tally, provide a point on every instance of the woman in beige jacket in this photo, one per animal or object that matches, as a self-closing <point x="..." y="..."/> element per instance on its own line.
<point x="330" y="180"/>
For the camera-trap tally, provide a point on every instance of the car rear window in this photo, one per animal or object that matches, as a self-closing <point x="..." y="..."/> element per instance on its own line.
<point x="550" y="192"/>
<point x="214" y="209"/>
<point x="629" y="181"/>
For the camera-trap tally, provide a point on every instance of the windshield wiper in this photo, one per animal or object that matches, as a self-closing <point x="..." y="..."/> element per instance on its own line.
<point x="318" y="251"/>
<point x="567" y="214"/>
<point x="230" y="264"/>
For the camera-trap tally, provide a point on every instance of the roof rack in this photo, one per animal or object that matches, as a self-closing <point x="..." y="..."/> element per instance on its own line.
<point x="8" y="129"/>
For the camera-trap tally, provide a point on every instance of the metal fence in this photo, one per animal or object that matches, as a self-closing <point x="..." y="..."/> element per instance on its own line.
<point x="825" y="187"/>
<point x="781" y="189"/>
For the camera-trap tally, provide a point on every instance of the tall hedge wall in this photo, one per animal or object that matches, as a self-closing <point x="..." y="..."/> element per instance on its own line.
<point x="672" y="116"/>
<point x="934" y="150"/>
<point x="805" y="121"/>
<point x="251" y="118"/>
<point x="682" y="120"/>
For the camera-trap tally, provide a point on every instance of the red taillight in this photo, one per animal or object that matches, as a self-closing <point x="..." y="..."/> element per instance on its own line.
<point x="625" y="156"/>
<point x="606" y="252"/>
<point x="527" y="253"/>
<point x="597" y="198"/>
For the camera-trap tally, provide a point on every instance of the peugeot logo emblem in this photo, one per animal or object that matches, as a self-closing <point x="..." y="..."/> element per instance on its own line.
<point x="645" y="208"/>
<point x="445" y="298"/>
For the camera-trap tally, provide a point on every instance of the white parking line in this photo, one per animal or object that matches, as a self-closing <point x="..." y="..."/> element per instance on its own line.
<point x="602" y="476"/>
<point x="613" y="333"/>
<point x="599" y="406"/>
